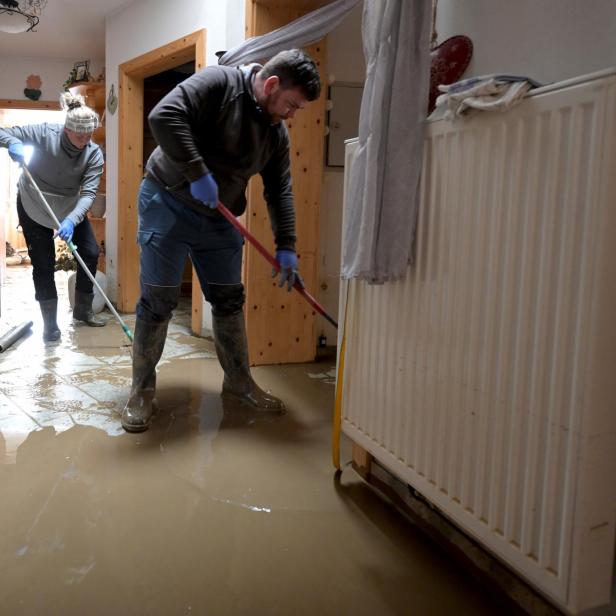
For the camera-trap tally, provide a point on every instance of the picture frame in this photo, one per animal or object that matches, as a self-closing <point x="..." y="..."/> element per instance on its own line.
<point x="81" y="70"/>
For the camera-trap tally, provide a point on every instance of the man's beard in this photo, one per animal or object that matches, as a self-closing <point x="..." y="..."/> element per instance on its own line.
<point x="272" y="118"/>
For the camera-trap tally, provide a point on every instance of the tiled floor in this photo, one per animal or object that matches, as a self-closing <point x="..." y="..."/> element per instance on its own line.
<point x="84" y="378"/>
<point x="214" y="510"/>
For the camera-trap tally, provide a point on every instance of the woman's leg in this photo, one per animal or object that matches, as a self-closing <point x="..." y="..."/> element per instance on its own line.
<point x="83" y="238"/>
<point x="42" y="253"/>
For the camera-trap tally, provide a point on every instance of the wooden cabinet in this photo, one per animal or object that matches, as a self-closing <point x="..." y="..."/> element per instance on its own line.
<point x="94" y="95"/>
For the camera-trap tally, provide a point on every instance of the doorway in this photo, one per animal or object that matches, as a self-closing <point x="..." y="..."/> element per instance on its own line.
<point x="131" y="147"/>
<point x="13" y="248"/>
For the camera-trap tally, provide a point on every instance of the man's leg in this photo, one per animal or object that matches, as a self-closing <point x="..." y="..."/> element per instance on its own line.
<point x="42" y="253"/>
<point x="83" y="238"/>
<point x="218" y="262"/>
<point x="162" y="262"/>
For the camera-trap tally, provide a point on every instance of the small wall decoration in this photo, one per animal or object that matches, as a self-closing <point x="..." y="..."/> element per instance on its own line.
<point x="33" y="87"/>
<point x="112" y="101"/>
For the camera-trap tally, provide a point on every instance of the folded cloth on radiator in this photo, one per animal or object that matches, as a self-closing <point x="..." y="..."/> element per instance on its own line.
<point x="486" y="93"/>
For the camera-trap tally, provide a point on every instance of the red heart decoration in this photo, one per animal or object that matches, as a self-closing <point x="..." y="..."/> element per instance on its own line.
<point x="449" y="60"/>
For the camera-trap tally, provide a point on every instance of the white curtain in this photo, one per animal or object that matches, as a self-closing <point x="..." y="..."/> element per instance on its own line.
<point x="304" y="31"/>
<point x="384" y="180"/>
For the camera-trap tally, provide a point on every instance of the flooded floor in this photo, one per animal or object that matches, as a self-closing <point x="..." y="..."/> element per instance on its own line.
<point x="214" y="510"/>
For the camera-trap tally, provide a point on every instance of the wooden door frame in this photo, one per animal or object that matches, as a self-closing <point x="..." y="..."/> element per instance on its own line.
<point x="294" y="339"/>
<point x="130" y="159"/>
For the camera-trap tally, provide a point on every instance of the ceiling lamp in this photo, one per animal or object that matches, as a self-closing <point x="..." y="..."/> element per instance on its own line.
<point x="20" y="15"/>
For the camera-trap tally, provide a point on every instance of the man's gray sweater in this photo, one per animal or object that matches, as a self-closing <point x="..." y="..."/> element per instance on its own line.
<point x="67" y="177"/>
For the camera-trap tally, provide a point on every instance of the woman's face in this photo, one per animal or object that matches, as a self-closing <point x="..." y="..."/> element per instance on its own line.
<point x="79" y="140"/>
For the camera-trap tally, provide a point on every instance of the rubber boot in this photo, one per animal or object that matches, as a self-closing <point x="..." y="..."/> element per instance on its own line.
<point x="148" y="344"/>
<point x="83" y="310"/>
<point x="49" y="310"/>
<point x="232" y="351"/>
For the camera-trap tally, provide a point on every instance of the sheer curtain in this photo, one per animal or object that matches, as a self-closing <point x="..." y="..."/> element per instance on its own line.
<point x="301" y="32"/>
<point x="384" y="178"/>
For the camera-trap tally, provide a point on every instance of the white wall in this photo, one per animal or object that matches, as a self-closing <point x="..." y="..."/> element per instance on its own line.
<point x="53" y="74"/>
<point x="345" y="53"/>
<point x="138" y="29"/>
<point x="549" y="40"/>
<point x="345" y="62"/>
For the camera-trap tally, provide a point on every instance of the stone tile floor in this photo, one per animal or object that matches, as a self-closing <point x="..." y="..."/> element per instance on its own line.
<point x="85" y="377"/>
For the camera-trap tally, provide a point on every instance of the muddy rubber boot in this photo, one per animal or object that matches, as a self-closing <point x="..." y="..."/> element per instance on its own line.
<point x="83" y="310"/>
<point x="148" y="344"/>
<point x="49" y="310"/>
<point x="232" y="351"/>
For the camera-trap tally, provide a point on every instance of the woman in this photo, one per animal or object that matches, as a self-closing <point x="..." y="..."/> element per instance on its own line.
<point x="67" y="167"/>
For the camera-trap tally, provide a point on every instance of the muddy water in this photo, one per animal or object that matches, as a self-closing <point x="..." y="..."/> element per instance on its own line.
<point x="215" y="510"/>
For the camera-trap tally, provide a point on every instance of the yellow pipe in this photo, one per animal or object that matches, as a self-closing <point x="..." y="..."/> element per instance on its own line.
<point x="339" y="386"/>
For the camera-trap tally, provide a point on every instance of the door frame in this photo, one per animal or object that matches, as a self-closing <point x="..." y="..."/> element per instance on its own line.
<point x="130" y="159"/>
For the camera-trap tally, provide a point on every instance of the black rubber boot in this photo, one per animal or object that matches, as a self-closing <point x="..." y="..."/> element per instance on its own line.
<point x="148" y="344"/>
<point x="49" y="310"/>
<point x="232" y="351"/>
<point x="83" y="310"/>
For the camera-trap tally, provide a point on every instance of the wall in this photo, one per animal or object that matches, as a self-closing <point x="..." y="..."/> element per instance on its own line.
<point x="345" y="61"/>
<point x="53" y="74"/>
<point x="550" y="41"/>
<point x="137" y="29"/>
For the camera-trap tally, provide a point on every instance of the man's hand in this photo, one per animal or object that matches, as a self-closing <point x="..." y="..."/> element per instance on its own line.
<point x="205" y="190"/>
<point x="288" y="268"/>
<point x="66" y="230"/>
<point x="16" y="152"/>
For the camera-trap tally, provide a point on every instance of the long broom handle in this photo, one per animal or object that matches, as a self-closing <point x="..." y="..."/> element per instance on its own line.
<point x="297" y="285"/>
<point x="77" y="256"/>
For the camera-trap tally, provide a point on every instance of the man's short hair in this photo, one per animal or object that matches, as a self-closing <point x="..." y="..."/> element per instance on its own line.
<point x="295" y="69"/>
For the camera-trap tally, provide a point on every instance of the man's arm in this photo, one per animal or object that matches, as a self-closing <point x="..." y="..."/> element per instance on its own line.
<point x="278" y="193"/>
<point x="178" y="120"/>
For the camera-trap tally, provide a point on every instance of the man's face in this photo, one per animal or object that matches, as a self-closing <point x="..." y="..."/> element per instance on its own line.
<point x="280" y="103"/>
<point x="79" y="140"/>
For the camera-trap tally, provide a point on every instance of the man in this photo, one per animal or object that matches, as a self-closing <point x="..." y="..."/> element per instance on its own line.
<point x="214" y="131"/>
<point x="67" y="167"/>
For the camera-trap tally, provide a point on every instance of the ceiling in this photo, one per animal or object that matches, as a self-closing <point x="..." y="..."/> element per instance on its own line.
<point x="70" y="29"/>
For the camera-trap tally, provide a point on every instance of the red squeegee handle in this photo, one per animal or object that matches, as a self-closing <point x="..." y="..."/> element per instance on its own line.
<point x="298" y="286"/>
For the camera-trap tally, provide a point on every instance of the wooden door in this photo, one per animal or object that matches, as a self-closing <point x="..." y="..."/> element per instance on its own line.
<point x="281" y="325"/>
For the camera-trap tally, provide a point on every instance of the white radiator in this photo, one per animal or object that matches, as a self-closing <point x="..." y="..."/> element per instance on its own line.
<point x="487" y="378"/>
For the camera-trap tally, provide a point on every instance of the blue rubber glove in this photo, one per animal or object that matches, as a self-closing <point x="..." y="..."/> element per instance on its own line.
<point x="16" y="152"/>
<point x="66" y="230"/>
<point x="288" y="268"/>
<point x="205" y="189"/>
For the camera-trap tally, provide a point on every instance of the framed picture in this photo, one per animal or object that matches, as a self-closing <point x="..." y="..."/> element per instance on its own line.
<point x="82" y="70"/>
